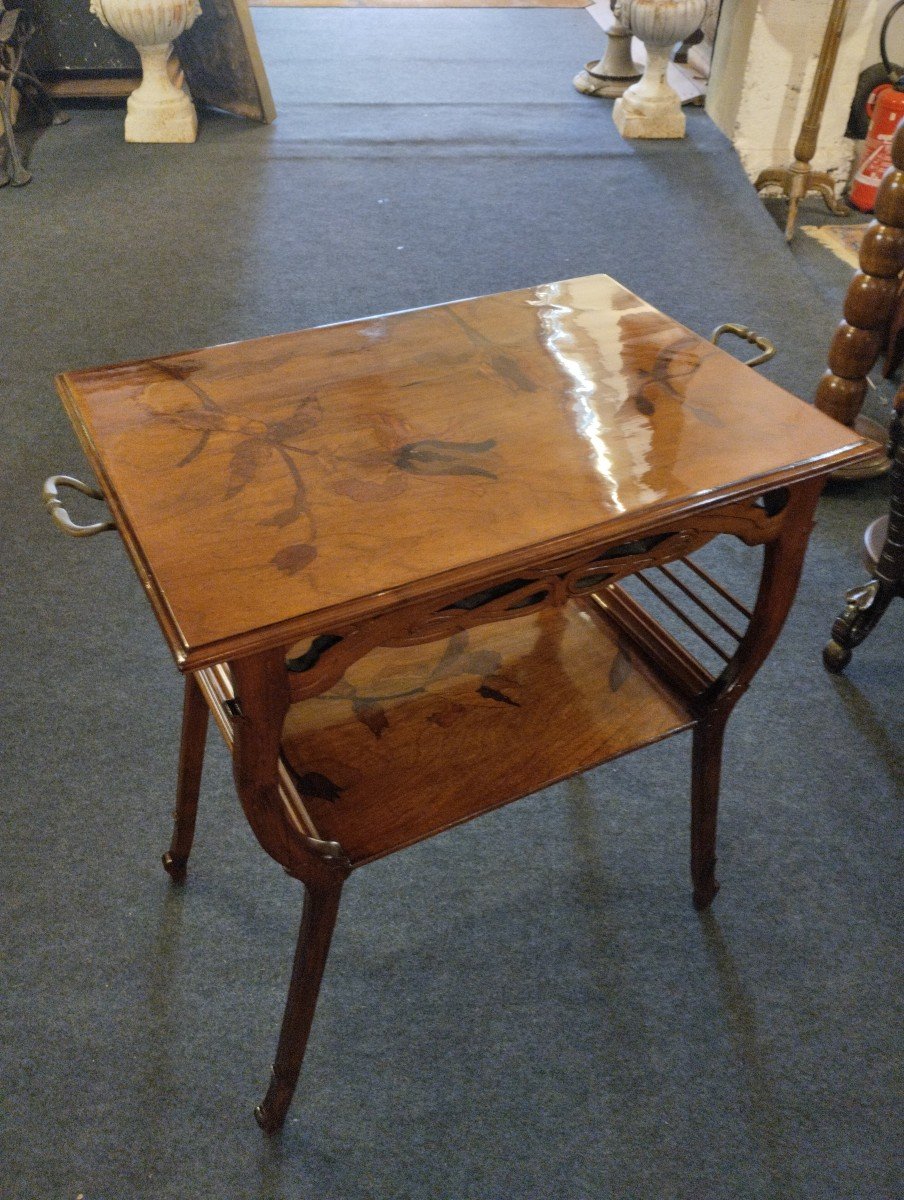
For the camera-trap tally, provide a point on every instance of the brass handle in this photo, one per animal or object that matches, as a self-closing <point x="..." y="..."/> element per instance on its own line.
<point x="747" y="335"/>
<point x="54" y="506"/>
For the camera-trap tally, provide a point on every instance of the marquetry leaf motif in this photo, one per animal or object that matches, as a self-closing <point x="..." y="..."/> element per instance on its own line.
<point x="658" y="371"/>
<point x="371" y="714"/>
<point x="490" y="693"/>
<point x="503" y="365"/>
<point x="511" y="371"/>
<point x="457" y="659"/>
<point x="455" y="647"/>
<point x="480" y="662"/>
<point x="619" y="671"/>
<point x="704" y="415"/>
<point x="679" y="362"/>
<point x="432" y="456"/>
<point x="197" y="449"/>
<point x="343" y="690"/>
<point x="259" y="440"/>
<point x="247" y="457"/>
<point x="644" y="405"/>
<point x="293" y="558"/>
<point x="366" y="490"/>
<point x="305" y="418"/>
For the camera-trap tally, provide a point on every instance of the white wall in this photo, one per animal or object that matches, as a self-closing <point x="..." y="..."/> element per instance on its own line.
<point x="895" y="36"/>
<point x="763" y="66"/>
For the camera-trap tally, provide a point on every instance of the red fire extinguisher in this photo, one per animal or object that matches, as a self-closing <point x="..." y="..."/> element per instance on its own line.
<point x="885" y="108"/>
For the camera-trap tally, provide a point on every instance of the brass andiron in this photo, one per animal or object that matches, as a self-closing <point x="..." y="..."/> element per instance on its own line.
<point x="798" y="180"/>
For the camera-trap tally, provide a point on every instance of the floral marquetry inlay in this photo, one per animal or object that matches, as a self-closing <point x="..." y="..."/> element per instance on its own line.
<point x="304" y="482"/>
<point x="256" y="445"/>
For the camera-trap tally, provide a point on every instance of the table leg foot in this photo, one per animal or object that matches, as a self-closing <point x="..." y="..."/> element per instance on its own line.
<point x="270" y="1114"/>
<point x="706" y="887"/>
<point x="176" y="866"/>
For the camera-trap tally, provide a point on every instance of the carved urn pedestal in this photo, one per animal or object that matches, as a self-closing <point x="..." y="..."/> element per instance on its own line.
<point x="652" y="107"/>
<point x="160" y="109"/>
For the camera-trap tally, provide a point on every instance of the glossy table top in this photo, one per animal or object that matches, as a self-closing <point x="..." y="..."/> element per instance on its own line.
<point x="278" y="484"/>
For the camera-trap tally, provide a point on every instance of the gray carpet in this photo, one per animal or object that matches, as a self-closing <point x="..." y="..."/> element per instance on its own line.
<point x="562" y="1024"/>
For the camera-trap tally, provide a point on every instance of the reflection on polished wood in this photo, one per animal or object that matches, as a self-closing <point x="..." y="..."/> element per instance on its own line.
<point x="262" y="484"/>
<point x="389" y="554"/>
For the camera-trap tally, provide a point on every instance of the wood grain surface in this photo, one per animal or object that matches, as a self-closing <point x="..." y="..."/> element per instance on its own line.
<point x="413" y="741"/>
<point x="267" y="489"/>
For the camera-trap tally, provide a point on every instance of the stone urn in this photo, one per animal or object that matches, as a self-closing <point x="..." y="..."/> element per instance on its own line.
<point x="615" y="71"/>
<point x="652" y="107"/>
<point x="160" y="109"/>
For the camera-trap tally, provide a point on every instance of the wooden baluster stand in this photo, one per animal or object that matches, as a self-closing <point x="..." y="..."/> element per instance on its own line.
<point x="871" y="297"/>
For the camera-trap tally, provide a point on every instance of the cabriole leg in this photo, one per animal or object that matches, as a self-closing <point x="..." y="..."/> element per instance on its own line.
<point x="318" y="920"/>
<point x="191" y="761"/>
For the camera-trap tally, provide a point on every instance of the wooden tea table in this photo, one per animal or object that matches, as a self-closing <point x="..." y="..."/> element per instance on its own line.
<point x="387" y="555"/>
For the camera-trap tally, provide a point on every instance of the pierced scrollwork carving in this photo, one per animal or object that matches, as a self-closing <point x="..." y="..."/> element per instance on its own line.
<point x="630" y="557"/>
<point x="478" y="600"/>
<point x="322" y="662"/>
<point x="774" y="502"/>
<point x="311" y="657"/>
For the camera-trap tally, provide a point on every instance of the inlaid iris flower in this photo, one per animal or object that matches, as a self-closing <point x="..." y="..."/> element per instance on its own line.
<point x="376" y="466"/>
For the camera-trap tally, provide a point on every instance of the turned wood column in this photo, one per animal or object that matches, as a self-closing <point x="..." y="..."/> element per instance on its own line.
<point x="868" y="306"/>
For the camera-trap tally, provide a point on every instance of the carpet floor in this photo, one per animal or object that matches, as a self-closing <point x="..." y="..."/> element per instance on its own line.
<point x="527" y="1008"/>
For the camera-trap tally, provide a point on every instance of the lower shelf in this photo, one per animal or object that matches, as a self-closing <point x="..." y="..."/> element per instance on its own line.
<point x="415" y="740"/>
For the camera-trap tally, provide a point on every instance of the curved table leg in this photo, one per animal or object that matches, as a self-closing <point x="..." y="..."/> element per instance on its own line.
<point x="191" y="761"/>
<point x="782" y="564"/>
<point x="318" y="919"/>
<point x="706" y="770"/>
